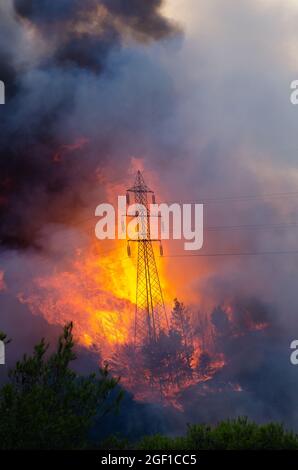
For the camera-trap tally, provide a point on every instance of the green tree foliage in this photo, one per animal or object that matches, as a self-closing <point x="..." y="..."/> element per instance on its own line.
<point x="239" y="434"/>
<point x="46" y="405"/>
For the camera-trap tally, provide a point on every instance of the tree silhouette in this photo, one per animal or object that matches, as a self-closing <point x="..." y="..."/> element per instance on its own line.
<point x="46" y="405"/>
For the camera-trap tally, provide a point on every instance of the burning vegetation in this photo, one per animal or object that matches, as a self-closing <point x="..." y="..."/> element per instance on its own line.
<point x="119" y="311"/>
<point x="98" y="293"/>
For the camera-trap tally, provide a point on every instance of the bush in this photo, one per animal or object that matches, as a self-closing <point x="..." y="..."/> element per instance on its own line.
<point x="46" y="405"/>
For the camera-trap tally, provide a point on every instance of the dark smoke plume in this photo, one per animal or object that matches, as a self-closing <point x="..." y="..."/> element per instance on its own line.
<point x="39" y="182"/>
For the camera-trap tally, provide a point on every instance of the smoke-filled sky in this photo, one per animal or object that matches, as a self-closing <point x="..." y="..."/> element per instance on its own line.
<point x="197" y="93"/>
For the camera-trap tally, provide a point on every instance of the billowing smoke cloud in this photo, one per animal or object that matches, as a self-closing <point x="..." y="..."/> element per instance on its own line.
<point x="46" y="161"/>
<point x="257" y="380"/>
<point x="240" y="139"/>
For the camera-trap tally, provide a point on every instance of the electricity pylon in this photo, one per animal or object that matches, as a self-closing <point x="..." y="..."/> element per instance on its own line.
<point x="150" y="313"/>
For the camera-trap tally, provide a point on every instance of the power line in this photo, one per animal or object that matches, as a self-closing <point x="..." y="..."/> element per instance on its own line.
<point x="186" y="255"/>
<point x="235" y="253"/>
<point x="236" y="198"/>
<point x="248" y="253"/>
<point x="250" y="226"/>
<point x="218" y="199"/>
<point x="229" y="227"/>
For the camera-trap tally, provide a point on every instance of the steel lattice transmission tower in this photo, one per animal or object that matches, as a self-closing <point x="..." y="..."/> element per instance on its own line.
<point x="150" y="313"/>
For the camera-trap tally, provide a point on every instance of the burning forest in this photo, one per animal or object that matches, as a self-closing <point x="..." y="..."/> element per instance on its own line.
<point x="169" y="104"/>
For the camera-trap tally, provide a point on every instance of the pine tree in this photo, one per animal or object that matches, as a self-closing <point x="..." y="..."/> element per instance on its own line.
<point x="181" y="323"/>
<point x="46" y="405"/>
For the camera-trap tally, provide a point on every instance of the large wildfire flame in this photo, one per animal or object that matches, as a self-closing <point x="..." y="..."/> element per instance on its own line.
<point x="96" y="290"/>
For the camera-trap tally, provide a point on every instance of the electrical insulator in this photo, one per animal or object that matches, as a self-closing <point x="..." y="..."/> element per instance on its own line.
<point x="128" y="251"/>
<point x="127" y="199"/>
<point x="160" y="250"/>
<point x="153" y="198"/>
